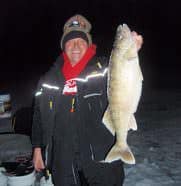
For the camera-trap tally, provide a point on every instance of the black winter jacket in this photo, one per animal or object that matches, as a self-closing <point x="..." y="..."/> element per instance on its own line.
<point x="73" y="136"/>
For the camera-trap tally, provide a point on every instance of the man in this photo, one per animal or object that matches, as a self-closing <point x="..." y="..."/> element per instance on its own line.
<point x="69" y="105"/>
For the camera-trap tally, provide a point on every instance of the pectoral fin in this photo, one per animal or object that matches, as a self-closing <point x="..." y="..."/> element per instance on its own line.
<point x="107" y="121"/>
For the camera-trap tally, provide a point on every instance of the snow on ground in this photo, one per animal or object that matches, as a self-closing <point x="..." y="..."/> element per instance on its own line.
<point x="157" y="143"/>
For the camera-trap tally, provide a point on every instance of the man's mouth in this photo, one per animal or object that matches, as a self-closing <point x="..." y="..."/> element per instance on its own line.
<point x="76" y="52"/>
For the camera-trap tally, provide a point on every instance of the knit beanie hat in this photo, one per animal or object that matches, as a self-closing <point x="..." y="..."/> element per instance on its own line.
<point x="76" y="27"/>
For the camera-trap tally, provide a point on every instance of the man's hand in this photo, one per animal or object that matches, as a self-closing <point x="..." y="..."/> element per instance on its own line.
<point x="38" y="160"/>
<point x="138" y="39"/>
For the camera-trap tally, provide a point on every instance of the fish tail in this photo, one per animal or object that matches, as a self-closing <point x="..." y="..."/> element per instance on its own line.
<point x="119" y="152"/>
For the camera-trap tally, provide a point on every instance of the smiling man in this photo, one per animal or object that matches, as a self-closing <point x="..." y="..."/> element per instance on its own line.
<point x="75" y="49"/>
<point x="67" y="124"/>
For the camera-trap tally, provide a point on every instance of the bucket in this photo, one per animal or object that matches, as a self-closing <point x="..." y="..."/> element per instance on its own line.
<point x="26" y="180"/>
<point x="44" y="182"/>
<point x="5" y="106"/>
<point x="3" y="179"/>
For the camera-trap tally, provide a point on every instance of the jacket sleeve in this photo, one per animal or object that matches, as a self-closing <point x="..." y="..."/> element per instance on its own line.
<point x="37" y="125"/>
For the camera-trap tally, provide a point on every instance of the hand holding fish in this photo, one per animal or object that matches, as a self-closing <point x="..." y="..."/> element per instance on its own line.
<point x="138" y="39"/>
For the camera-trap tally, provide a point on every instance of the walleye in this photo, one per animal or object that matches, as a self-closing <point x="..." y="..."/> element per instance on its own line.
<point x="124" y="91"/>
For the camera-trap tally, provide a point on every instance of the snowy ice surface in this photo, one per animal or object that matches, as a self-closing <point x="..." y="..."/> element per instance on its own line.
<point x="157" y="142"/>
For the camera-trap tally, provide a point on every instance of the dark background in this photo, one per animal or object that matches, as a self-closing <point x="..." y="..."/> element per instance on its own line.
<point x="30" y="32"/>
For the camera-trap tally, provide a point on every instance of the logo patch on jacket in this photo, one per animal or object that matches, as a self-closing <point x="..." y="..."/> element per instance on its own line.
<point x="70" y="87"/>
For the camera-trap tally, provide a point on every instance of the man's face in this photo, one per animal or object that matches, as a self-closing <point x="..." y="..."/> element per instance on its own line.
<point x="75" y="49"/>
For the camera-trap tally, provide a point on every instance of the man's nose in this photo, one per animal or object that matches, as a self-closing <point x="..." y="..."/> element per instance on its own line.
<point x="75" y="44"/>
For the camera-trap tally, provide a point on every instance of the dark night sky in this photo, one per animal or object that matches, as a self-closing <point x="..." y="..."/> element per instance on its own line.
<point x="30" y="32"/>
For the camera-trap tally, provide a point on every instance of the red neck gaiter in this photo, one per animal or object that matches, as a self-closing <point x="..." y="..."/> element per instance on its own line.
<point x="70" y="71"/>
